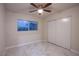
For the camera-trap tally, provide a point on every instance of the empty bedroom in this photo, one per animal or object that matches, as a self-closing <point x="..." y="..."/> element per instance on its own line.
<point x="39" y="29"/>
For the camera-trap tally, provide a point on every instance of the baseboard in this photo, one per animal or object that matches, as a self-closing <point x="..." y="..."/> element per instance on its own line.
<point x="23" y="44"/>
<point x="74" y="51"/>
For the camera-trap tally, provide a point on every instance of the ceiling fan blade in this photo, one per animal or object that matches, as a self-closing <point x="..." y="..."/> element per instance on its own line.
<point x="48" y="4"/>
<point x="34" y="5"/>
<point x="47" y="10"/>
<point x="32" y="11"/>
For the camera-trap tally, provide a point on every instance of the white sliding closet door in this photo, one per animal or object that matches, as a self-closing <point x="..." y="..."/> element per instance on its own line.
<point x="52" y="32"/>
<point x="63" y="32"/>
<point x="60" y="38"/>
<point x="59" y="32"/>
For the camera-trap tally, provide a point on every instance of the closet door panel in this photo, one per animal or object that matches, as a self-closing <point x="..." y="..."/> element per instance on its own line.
<point x="63" y="33"/>
<point x="60" y="33"/>
<point x="52" y="32"/>
<point x="67" y="35"/>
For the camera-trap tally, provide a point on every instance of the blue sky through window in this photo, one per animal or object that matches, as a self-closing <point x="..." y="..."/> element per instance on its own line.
<point x="23" y="25"/>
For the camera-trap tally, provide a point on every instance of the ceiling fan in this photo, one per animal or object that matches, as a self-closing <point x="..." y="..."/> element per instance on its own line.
<point x="40" y="8"/>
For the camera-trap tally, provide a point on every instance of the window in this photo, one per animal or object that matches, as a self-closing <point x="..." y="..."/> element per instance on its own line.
<point x="32" y="25"/>
<point x="23" y="25"/>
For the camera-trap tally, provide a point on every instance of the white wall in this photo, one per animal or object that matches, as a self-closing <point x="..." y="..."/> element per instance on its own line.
<point x="2" y="29"/>
<point x="13" y="37"/>
<point x="74" y="14"/>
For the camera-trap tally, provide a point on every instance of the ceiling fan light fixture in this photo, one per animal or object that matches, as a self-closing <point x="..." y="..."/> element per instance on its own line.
<point x="40" y="11"/>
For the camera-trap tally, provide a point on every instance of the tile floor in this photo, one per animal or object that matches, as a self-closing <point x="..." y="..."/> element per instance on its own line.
<point x="39" y="49"/>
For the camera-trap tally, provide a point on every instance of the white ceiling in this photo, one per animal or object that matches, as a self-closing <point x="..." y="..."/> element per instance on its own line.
<point x="26" y="7"/>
